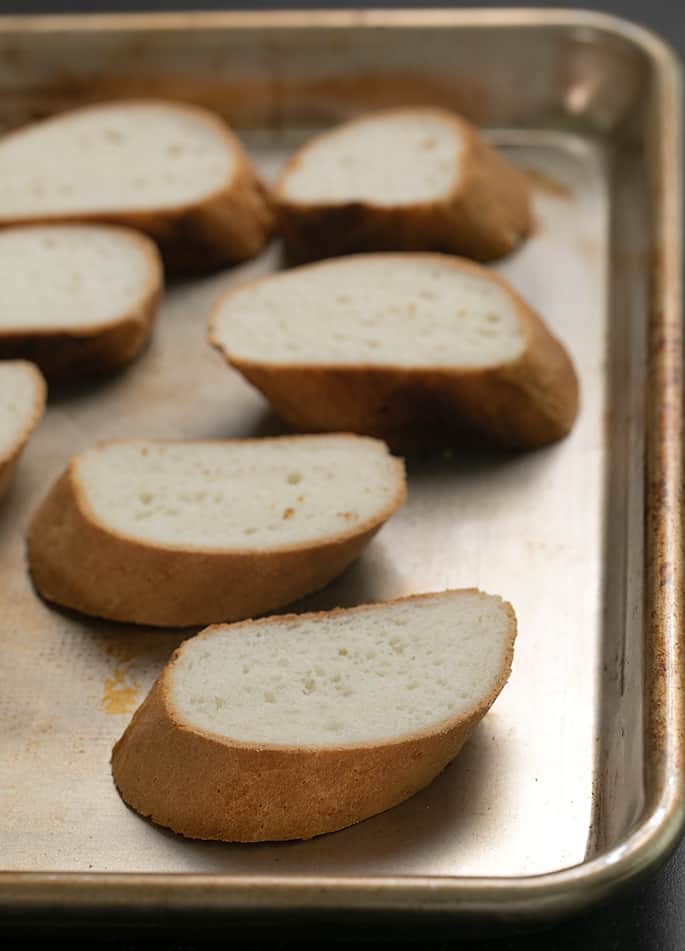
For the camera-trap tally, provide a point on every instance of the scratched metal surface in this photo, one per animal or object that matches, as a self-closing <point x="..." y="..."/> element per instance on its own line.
<point x="555" y="773"/>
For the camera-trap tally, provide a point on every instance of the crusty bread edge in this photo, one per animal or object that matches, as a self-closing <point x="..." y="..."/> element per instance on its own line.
<point x="206" y="786"/>
<point x="86" y="350"/>
<point x="484" y="216"/>
<point x="77" y="561"/>
<point x="10" y="458"/>
<point x="226" y="226"/>
<point x="524" y="403"/>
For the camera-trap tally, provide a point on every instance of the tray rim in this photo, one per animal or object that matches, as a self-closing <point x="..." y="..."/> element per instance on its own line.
<point x="523" y="898"/>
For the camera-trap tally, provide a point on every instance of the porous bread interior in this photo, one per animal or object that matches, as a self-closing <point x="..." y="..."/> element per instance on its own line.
<point x="392" y="159"/>
<point x="17" y="403"/>
<point x="346" y="678"/>
<point x="378" y="310"/>
<point x="69" y="276"/>
<point x="258" y="494"/>
<point x="113" y="157"/>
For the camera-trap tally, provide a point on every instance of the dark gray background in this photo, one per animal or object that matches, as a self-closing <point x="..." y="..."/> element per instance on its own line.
<point x="651" y="917"/>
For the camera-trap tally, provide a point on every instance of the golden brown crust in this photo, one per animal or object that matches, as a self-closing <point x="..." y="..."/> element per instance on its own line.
<point x="81" y="564"/>
<point x="484" y="217"/>
<point x="10" y="458"/>
<point x="226" y="227"/>
<point x="524" y="404"/>
<point x="92" y="350"/>
<point x="208" y="787"/>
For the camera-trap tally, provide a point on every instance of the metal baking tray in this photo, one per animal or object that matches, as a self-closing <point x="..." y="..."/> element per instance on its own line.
<point x="573" y="784"/>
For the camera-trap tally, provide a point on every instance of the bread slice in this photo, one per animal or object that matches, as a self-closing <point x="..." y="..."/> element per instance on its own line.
<point x="22" y="402"/>
<point x="77" y="300"/>
<point x="172" y="170"/>
<point x="402" y="180"/>
<point x="177" y="534"/>
<point x="413" y="348"/>
<point x="290" y="727"/>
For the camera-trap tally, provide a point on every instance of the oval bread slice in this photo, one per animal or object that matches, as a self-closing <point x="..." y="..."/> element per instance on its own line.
<point x="290" y="727"/>
<point x="177" y="534"/>
<point x="22" y="402"/>
<point x="170" y="169"/>
<point x="417" y="349"/>
<point x="77" y="300"/>
<point x="402" y="180"/>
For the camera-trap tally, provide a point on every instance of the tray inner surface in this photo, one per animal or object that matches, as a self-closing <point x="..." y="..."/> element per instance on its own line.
<point x="538" y="784"/>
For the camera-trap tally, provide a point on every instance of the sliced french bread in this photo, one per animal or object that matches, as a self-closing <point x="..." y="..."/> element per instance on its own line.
<point x="167" y="168"/>
<point x="417" y="349"/>
<point x="77" y="300"/>
<point x="178" y="534"/>
<point x="290" y="727"/>
<point x="401" y="180"/>
<point x="22" y="401"/>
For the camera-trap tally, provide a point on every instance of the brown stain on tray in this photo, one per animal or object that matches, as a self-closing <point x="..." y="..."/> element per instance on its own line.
<point x="119" y="694"/>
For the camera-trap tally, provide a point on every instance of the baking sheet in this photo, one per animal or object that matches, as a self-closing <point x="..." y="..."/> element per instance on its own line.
<point x="557" y="773"/>
<point x="527" y="526"/>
